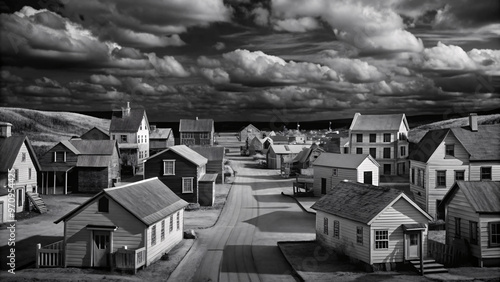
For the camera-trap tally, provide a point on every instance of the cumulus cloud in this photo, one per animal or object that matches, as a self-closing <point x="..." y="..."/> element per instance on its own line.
<point x="81" y="86"/>
<point x="141" y="39"/>
<point x="219" y="46"/>
<point x="167" y="66"/>
<point x="47" y="82"/>
<point x="261" y="16"/>
<point x="216" y="76"/>
<point x="296" y="25"/>
<point x="8" y="77"/>
<point x="105" y="80"/>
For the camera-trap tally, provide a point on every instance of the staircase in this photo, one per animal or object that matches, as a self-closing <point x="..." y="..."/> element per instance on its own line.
<point x="430" y="267"/>
<point x="38" y="202"/>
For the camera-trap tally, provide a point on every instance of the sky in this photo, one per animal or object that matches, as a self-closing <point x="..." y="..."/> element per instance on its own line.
<point x="243" y="60"/>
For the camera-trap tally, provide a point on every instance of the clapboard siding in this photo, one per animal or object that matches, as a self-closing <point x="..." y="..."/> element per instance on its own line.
<point x="347" y="243"/>
<point x="114" y="168"/>
<point x="391" y="219"/>
<point x="475" y="170"/>
<point x="48" y="157"/>
<point x="78" y="239"/>
<point x="171" y="238"/>
<point x="216" y="166"/>
<point x="331" y="181"/>
<point x="419" y="192"/>
<point x="486" y="250"/>
<point x="368" y="165"/>
<point x="183" y="168"/>
<point x="24" y="167"/>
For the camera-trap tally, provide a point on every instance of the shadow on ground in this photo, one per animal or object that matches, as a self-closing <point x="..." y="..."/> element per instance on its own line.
<point x="25" y="250"/>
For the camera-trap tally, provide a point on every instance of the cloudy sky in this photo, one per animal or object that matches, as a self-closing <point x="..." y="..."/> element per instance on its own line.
<point x="252" y="60"/>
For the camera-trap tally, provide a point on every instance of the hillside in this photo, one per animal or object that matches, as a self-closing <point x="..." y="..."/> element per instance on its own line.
<point x="417" y="133"/>
<point x="45" y="129"/>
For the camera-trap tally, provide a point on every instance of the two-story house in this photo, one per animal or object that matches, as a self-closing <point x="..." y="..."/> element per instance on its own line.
<point x="196" y="132"/>
<point x="184" y="172"/>
<point x="18" y="162"/>
<point x="444" y="156"/>
<point x="130" y="127"/>
<point x="384" y="137"/>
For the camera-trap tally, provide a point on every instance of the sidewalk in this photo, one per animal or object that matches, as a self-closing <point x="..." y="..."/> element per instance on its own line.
<point x="304" y="202"/>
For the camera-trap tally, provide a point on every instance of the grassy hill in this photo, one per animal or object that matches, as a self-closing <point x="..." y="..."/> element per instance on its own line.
<point x="45" y="129"/>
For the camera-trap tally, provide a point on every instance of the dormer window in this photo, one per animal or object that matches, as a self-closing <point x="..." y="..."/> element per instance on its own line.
<point x="23" y="157"/>
<point x="123" y="138"/>
<point x="450" y="150"/>
<point x="103" y="205"/>
<point x="60" y="157"/>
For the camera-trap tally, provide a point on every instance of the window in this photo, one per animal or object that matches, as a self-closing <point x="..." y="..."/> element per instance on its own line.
<point x="171" y="227"/>
<point x="335" y="172"/>
<point x="387" y="153"/>
<point x="204" y="135"/>
<point x="494" y="230"/>
<point x="412" y="176"/>
<point x="16" y="175"/>
<point x="187" y="135"/>
<point x="359" y="235"/>
<point x="449" y="150"/>
<point x="153" y="235"/>
<point x="402" y="136"/>
<point x="419" y="177"/>
<point x="168" y="167"/>
<point x="359" y="150"/>
<point x="473" y="232"/>
<point x="114" y="137"/>
<point x="123" y="138"/>
<point x="162" y="231"/>
<point x="187" y="185"/>
<point x="140" y="154"/>
<point x="138" y="138"/>
<point x="59" y="157"/>
<point x="178" y="220"/>
<point x="23" y="157"/>
<point x="441" y="178"/>
<point x="458" y="226"/>
<point x="336" y="229"/>
<point x="359" y="137"/>
<point x="387" y="137"/>
<point x="381" y="239"/>
<point x="403" y="151"/>
<point x="346" y="150"/>
<point x="325" y="226"/>
<point x="459" y="174"/>
<point x="373" y="152"/>
<point x="103" y="205"/>
<point x="29" y="173"/>
<point x="485" y="173"/>
<point x="373" y="138"/>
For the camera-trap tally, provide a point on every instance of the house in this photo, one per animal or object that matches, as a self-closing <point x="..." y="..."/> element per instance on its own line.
<point x="279" y="140"/>
<point x="248" y="133"/>
<point x="330" y="169"/>
<point x="5" y="216"/>
<point x="184" y="171"/>
<point x="130" y="128"/>
<point x="95" y="133"/>
<point x="257" y="145"/>
<point x="377" y="226"/>
<point x="19" y="163"/>
<point x="160" y="139"/>
<point x="384" y="137"/>
<point x="196" y="132"/>
<point x="215" y="160"/>
<point x="277" y="155"/>
<point x="297" y="139"/>
<point x="445" y="155"/>
<point x="76" y="165"/>
<point x="140" y="221"/>
<point x="306" y="157"/>
<point x="472" y="212"/>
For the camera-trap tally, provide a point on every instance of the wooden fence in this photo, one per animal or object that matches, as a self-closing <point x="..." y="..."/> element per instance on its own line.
<point x="127" y="259"/>
<point x="448" y="255"/>
<point x="50" y="255"/>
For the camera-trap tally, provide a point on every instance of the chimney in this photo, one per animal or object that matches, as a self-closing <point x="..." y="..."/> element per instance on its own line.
<point x="473" y="121"/>
<point x="152" y="127"/>
<point x="5" y="129"/>
<point x="126" y="111"/>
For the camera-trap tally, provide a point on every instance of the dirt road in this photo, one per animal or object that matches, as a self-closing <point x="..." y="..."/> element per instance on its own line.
<point x="242" y="245"/>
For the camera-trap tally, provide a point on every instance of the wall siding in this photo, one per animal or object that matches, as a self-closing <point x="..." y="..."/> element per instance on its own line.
<point x="486" y="251"/>
<point x="155" y="252"/>
<point x="368" y="165"/>
<point x="475" y="170"/>
<point x="331" y="181"/>
<point x="419" y="192"/>
<point x="114" y="168"/>
<point x="216" y="166"/>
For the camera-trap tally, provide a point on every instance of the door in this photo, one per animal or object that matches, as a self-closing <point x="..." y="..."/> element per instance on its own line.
<point x="387" y="169"/>
<point x="367" y="175"/>
<point x="1" y="212"/>
<point x="413" y="245"/>
<point x="101" y="248"/>
<point x="323" y="185"/>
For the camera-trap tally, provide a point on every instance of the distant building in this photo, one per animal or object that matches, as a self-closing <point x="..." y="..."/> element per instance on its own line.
<point x="95" y="133"/>
<point x="277" y="155"/>
<point x="160" y="139"/>
<point x="306" y="157"/>
<point x="472" y="210"/>
<point x="249" y="132"/>
<point x="444" y="156"/>
<point x="257" y="145"/>
<point x="215" y="160"/>
<point x="130" y="128"/>
<point x="384" y="137"/>
<point x="279" y="140"/>
<point x="330" y="169"/>
<point x="196" y="132"/>
<point x="375" y="225"/>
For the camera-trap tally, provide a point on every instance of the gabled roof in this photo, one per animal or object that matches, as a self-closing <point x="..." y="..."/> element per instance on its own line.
<point x="483" y="196"/>
<point x="129" y="123"/>
<point x="198" y="125"/>
<point x="250" y="125"/>
<point x="211" y="153"/>
<point x="70" y="146"/>
<point x="351" y="161"/>
<point x="279" y="138"/>
<point x="161" y="201"/>
<point x="428" y="144"/>
<point x="360" y="202"/>
<point x="9" y="149"/>
<point x="390" y="122"/>
<point x="94" y="133"/>
<point x="94" y="147"/>
<point x="287" y="149"/>
<point x="305" y="154"/>
<point x="161" y="133"/>
<point x="185" y="152"/>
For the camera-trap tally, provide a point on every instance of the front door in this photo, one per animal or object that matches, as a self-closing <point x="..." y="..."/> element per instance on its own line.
<point x="367" y="175"/>
<point x="101" y="248"/>
<point x="323" y="185"/>
<point x="387" y="169"/>
<point x="413" y="245"/>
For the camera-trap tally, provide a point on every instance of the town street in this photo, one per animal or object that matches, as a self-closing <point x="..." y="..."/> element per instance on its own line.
<point x="242" y="245"/>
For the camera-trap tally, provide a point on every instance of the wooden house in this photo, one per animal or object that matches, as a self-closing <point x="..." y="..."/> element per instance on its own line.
<point x="130" y="128"/>
<point x="5" y="216"/>
<point x="472" y="212"/>
<point x="18" y="162"/>
<point x="384" y="137"/>
<point x="248" y="133"/>
<point x="444" y="156"/>
<point x="160" y="139"/>
<point x="123" y="227"/>
<point x="78" y="165"/>
<point x="258" y="145"/>
<point x="377" y="226"/>
<point x="279" y="140"/>
<point x="277" y="155"/>
<point x="184" y="171"/>
<point x="215" y="160"/>
<point x="95" y="133"/>
<point x="330" y="169"/>
<point x="306" y="158"/>
<point x="196" y="132"/>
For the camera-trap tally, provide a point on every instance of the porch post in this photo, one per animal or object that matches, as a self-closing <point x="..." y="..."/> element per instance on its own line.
<point x="42" y="183"/>
<point x="404" y="245"/>
<point x="65" y="182"/>
<point x="421" y="246"/>
<point x="54" y="182"/>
